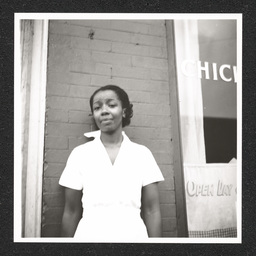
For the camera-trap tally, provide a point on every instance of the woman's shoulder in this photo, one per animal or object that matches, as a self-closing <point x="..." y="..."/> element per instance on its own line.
<point x="139" y="147"/>
<point x="85" y="147"/>
<point x="141" y="154"/>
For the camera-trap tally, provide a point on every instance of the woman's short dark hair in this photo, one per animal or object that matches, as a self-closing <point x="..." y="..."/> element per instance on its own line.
<point x="123" y="97"/>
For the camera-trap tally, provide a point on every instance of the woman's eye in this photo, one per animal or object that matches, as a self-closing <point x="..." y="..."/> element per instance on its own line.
<point x="112" y="105"/>
<point x="96" y="108"/>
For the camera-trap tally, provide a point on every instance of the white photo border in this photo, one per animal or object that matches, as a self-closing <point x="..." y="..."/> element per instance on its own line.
<point x="121" y="16"/>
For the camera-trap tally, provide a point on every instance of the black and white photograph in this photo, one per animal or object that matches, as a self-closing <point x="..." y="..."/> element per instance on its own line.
<point x="128" y="128"/>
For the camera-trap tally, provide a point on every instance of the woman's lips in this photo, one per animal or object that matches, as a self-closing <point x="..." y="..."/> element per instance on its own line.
<point x="105" y="120"/>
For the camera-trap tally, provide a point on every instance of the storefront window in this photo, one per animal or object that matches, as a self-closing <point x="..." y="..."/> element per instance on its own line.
<point x="207" y="78"/>
<point x="218" y="72"/>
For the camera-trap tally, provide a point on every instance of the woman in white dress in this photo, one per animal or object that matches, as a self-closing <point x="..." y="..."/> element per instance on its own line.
<point x="115" y="178"/>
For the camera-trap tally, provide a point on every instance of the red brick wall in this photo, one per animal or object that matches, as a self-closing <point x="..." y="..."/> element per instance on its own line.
<point x="130" y="54"/>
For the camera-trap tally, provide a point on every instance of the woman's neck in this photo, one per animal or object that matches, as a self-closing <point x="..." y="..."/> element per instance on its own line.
<point x="111" y="140"/>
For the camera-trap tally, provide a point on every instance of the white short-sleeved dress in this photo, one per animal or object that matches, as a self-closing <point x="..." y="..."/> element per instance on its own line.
<point x="111" y="193"/>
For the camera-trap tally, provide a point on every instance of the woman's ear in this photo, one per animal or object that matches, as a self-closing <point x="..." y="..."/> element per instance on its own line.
<point x="124" y="112"/>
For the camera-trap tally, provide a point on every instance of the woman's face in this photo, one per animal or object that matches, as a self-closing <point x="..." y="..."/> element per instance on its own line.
<point x="107" y="111"/>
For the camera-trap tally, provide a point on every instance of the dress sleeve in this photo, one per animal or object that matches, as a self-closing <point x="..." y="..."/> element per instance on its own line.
<point x="71" y="175"/>
<point x="151" y="171"/>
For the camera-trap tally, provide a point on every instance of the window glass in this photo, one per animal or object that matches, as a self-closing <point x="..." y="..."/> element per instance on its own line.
<point x="217" y="70"/>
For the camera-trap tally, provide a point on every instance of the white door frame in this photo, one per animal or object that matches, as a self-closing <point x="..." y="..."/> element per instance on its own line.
<point x="36" y="125"/>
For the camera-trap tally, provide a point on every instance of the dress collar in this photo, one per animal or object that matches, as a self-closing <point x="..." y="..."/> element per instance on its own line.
<point x="98" y="143"/>
<point x="93" y="134"/>
<point x="96" y="135"/>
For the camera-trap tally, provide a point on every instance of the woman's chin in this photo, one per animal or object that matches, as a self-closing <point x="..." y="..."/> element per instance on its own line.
<point x="108" y="130"/>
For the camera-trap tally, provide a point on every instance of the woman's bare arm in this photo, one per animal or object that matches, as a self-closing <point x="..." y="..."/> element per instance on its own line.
<point x="151" y="210"/>
<point x="72" y="212"/>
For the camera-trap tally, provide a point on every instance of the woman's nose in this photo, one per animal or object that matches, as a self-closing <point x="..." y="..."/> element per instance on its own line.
<point x="104" y="110"/>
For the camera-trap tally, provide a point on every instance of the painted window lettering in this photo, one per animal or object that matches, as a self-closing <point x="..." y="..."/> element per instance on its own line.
<point x="226" y="72"/>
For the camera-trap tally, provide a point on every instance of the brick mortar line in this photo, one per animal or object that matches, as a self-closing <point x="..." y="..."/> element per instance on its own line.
<point x="167" y="204"/>
<point x="129" y="77"/>
<point x="123" y="53"/>
<point x="91" y="123"/>
<point x="128" y="54"/>
<point x="108" y="40"/>
<point x="120" y="30"/>
<point x="76" y="97"/>
<point x="112" y="42"/>
<point x="131" y="54"/>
